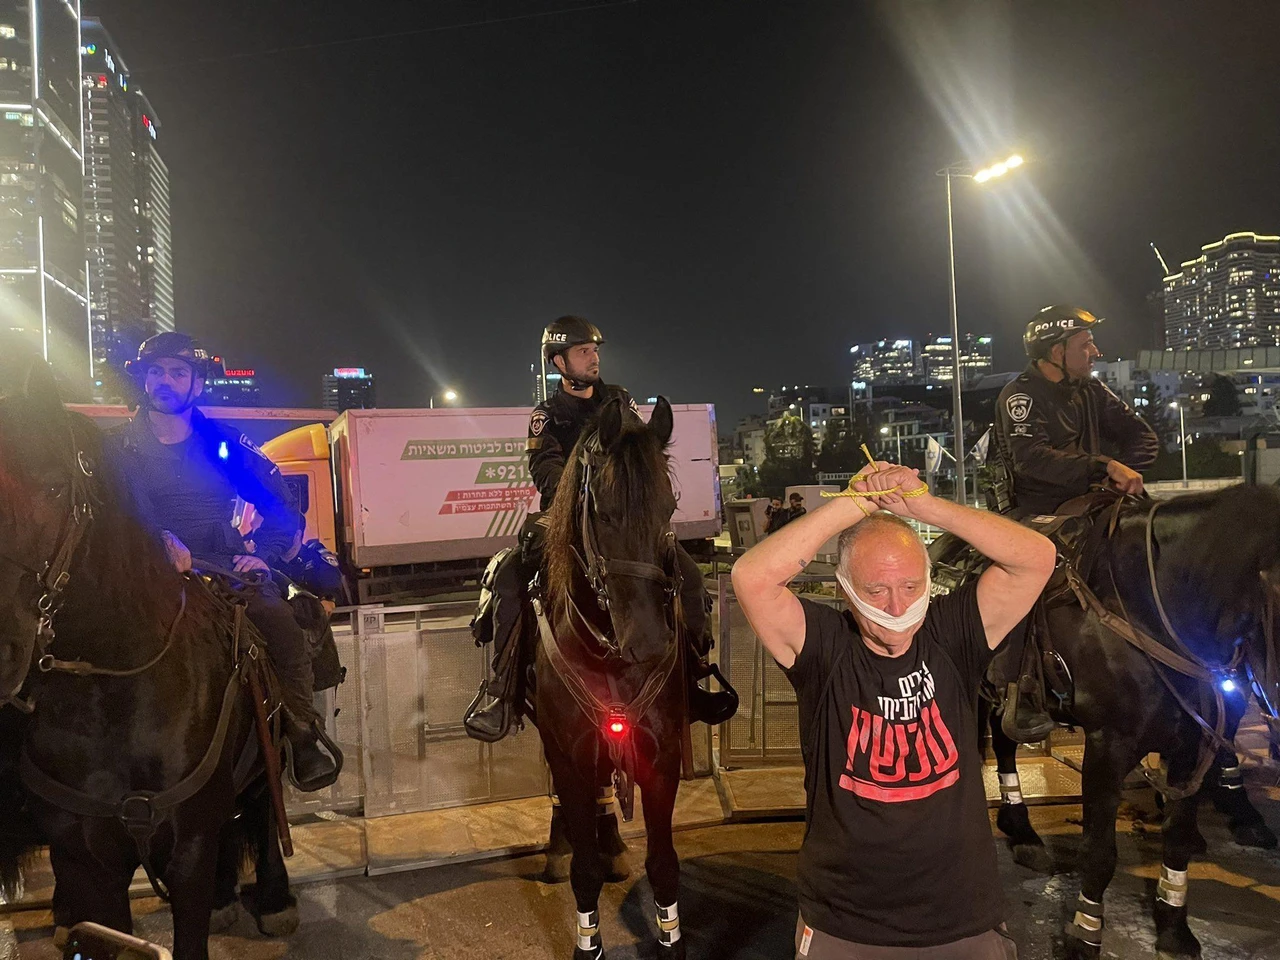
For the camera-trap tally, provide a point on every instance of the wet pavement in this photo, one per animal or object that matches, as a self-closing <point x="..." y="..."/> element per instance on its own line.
<point x="737" y="902"/>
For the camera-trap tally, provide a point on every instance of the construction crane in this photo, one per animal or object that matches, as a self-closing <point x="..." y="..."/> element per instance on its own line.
<point x="1164" y="266"/>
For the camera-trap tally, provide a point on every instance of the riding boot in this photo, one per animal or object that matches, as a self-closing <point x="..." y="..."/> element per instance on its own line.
<point x="1014" y="669"/>
<point x="492" y="712"/>
<point x="312" y="767"/>
<point x="704" y="705"/>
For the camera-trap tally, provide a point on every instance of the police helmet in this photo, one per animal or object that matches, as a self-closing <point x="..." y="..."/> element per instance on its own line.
<point x="171" y="344"/>
<point x="566" y="332"/>
<point x="1053" y="325"/>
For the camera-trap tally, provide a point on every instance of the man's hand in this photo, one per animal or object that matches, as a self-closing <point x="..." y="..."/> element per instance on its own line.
<point x="246" y="563"/>
<point x="1124" y="479"/>
<point x="177" y="552"/>
<point x="884" y="480"/>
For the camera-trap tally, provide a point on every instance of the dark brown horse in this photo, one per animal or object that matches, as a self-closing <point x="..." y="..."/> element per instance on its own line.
<point x="610" y="687"/>
<point x="1193" y="582"/>
<point x="137" y="715"/>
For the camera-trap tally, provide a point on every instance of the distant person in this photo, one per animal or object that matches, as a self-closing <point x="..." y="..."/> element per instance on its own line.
<point x="897" y="859"/>
<point x="797" y="509"/>
<point x="776" y="515"/>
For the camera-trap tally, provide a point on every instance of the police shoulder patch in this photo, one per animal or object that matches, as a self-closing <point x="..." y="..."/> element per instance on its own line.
<point x="537" y="423"/>
<point x="1019" y="406"/>
<point x="249" y="445"/>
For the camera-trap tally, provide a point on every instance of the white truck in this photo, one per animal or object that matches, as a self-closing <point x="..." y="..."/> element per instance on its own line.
<point x="412" y="498"/>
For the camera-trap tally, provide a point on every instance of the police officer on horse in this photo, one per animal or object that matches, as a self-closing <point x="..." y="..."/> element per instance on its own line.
<point x="1059" y="431"/>
<point x="572" y="345"/>
<point x="186" y="471"/>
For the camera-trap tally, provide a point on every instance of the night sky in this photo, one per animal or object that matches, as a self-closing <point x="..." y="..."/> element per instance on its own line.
<point x="734" y="191"/>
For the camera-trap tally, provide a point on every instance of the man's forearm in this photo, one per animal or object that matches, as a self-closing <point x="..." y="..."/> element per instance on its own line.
<point x="782" y="555"/>
<point x="1008" y="544"/>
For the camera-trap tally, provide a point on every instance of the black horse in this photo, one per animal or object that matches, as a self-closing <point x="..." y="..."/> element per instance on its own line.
<point x="1192" y="583"/>
<point x="610" y="688"/>
<point x="137" y="715"/>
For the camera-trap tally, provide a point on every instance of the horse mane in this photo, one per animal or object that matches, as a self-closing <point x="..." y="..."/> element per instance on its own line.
<point x="1209" y="573"/>
<point x="635" y="465"/>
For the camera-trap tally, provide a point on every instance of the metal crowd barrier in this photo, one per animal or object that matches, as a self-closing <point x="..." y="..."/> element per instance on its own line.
<point x="411" y="672"/>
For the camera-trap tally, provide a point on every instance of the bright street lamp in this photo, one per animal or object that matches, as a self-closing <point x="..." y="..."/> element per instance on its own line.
<point x="897" y="437"/>
<point x="449" y="396"/>
<point x="964" y="172"/>
<point x="1182" y="438"/>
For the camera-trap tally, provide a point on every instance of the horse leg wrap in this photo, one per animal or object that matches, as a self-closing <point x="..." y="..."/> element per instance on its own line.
<point x="1232" y="778"/>
<point x="1172" y="887"/>
<point x="1010" y="788"/>
<point x="604" y="800"/>
<point x="589" y="933"/>
<point x="668" y="924"/>
<point x="1087" y="925"/>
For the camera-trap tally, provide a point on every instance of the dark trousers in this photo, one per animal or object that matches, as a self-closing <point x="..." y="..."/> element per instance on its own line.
<point x="287" y="645"/>
<point x="815" y="945"/>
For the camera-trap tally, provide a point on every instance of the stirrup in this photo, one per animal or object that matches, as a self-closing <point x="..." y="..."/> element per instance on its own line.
<point x="329" y="778"/>
<point x="481" y="723"/>
<point x="1035" y="732"/>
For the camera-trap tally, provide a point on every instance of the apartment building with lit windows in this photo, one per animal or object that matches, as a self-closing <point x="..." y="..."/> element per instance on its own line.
<point x="1227" y="297"/>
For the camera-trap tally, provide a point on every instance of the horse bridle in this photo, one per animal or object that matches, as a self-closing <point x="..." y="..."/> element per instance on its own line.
<point x="56" y="572"/>
<point x="597" y="567"/>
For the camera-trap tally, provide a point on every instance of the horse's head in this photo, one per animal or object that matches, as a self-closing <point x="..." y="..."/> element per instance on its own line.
<point x="612" y="521"/>
<point x="1218" y="562"/>
<point x="46" y="465"/>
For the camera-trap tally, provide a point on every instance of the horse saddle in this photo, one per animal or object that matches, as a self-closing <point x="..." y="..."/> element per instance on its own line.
<point x="1077" y="530"/>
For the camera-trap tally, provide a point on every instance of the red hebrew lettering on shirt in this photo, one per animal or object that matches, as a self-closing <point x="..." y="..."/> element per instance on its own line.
<point x="905" y="753"/>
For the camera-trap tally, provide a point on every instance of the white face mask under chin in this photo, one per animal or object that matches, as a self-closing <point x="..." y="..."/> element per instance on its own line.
<point x="910" y="618"/>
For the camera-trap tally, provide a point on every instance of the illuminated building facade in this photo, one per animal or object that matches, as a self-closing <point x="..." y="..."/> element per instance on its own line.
<point x="348" y="388"/>
<point x="1227" y="297"/>
<point x="230" y="386"/>
<point x="126" y="198"/>
<point x="886" y="362"/>
<point x="939" y="359"/>
<point x="43" y="273"/>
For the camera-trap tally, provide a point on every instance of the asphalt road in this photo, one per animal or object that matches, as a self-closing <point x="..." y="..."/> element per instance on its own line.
<point x="737" y="903"/>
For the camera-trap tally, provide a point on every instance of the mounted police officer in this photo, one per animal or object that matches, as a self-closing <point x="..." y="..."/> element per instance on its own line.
<point x="572" y="345"/>
<point x="186" y="471"/>
<point x="1060" y="431"/>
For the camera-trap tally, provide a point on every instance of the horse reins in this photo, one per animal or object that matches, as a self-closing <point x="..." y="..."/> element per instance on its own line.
<point x="615" y="718"/>
<point x="1181" y="659"/>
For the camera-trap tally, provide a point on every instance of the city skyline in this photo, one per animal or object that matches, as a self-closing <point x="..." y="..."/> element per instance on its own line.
<point x="779" y="209"/>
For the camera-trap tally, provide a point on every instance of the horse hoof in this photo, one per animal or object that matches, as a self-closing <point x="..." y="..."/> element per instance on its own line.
<point x="557" y="868"/>
<point x="673" y="952"/>
<point x="60" y="936"/>
<point x="1014" y="822"/>
<point x="596" y="954"/>
<point x="1033" y="856"/>
<point x="283" y="923"/>
<point x="1257" y="835"/>
<point x="1174" y="939"/>
<point x="224" y="918"/>
<point x="1077" y="949"/>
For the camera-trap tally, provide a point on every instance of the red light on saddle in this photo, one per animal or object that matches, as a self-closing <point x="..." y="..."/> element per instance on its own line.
<point x="616" y="726"/>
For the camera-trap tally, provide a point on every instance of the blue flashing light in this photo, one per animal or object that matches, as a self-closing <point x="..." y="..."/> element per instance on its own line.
<point x="222" y="450"/>
<point x="1228" y="685"/>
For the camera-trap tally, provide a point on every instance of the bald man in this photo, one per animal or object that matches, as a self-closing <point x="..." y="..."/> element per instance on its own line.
<point x="897" y="858"/>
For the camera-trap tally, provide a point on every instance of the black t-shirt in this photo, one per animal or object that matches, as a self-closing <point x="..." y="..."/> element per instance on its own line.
<point x="897" y="848"/>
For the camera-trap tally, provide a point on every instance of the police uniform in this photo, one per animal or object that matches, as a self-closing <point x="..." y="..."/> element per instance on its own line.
<point x="554" y="428"/>
<point x="1051" y="437"/>
<point x="315" y="569"/>
<point x="190" y="488"/>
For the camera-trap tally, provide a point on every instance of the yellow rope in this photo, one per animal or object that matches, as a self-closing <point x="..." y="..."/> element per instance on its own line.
<point x="850" y="492"/>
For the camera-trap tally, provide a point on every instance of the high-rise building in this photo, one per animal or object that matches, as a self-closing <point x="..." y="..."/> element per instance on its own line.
<point x="43" y="274"/>
<point x="940" y="362"/>
<point x="886" y="362"/>
<point x="1229" y="296"/>
<point x="347" y="388"/>
<point x="226" y="386"/>
<point x="541" y="392"/>
<point x="126" y="189"/>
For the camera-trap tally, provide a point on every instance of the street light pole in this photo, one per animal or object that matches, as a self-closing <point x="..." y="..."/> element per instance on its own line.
<point x="897" y="438"/>
<point x="1182" y="440"/>
<point x="958" y="405"/>
<point x="981" y="176"/>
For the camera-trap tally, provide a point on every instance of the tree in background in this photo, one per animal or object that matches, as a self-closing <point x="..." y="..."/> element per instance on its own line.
<point x="1223" y="400"/>
<point x="748" y="482"/>
<point x="839" y="453"/>
<point x="788" y="456"/>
